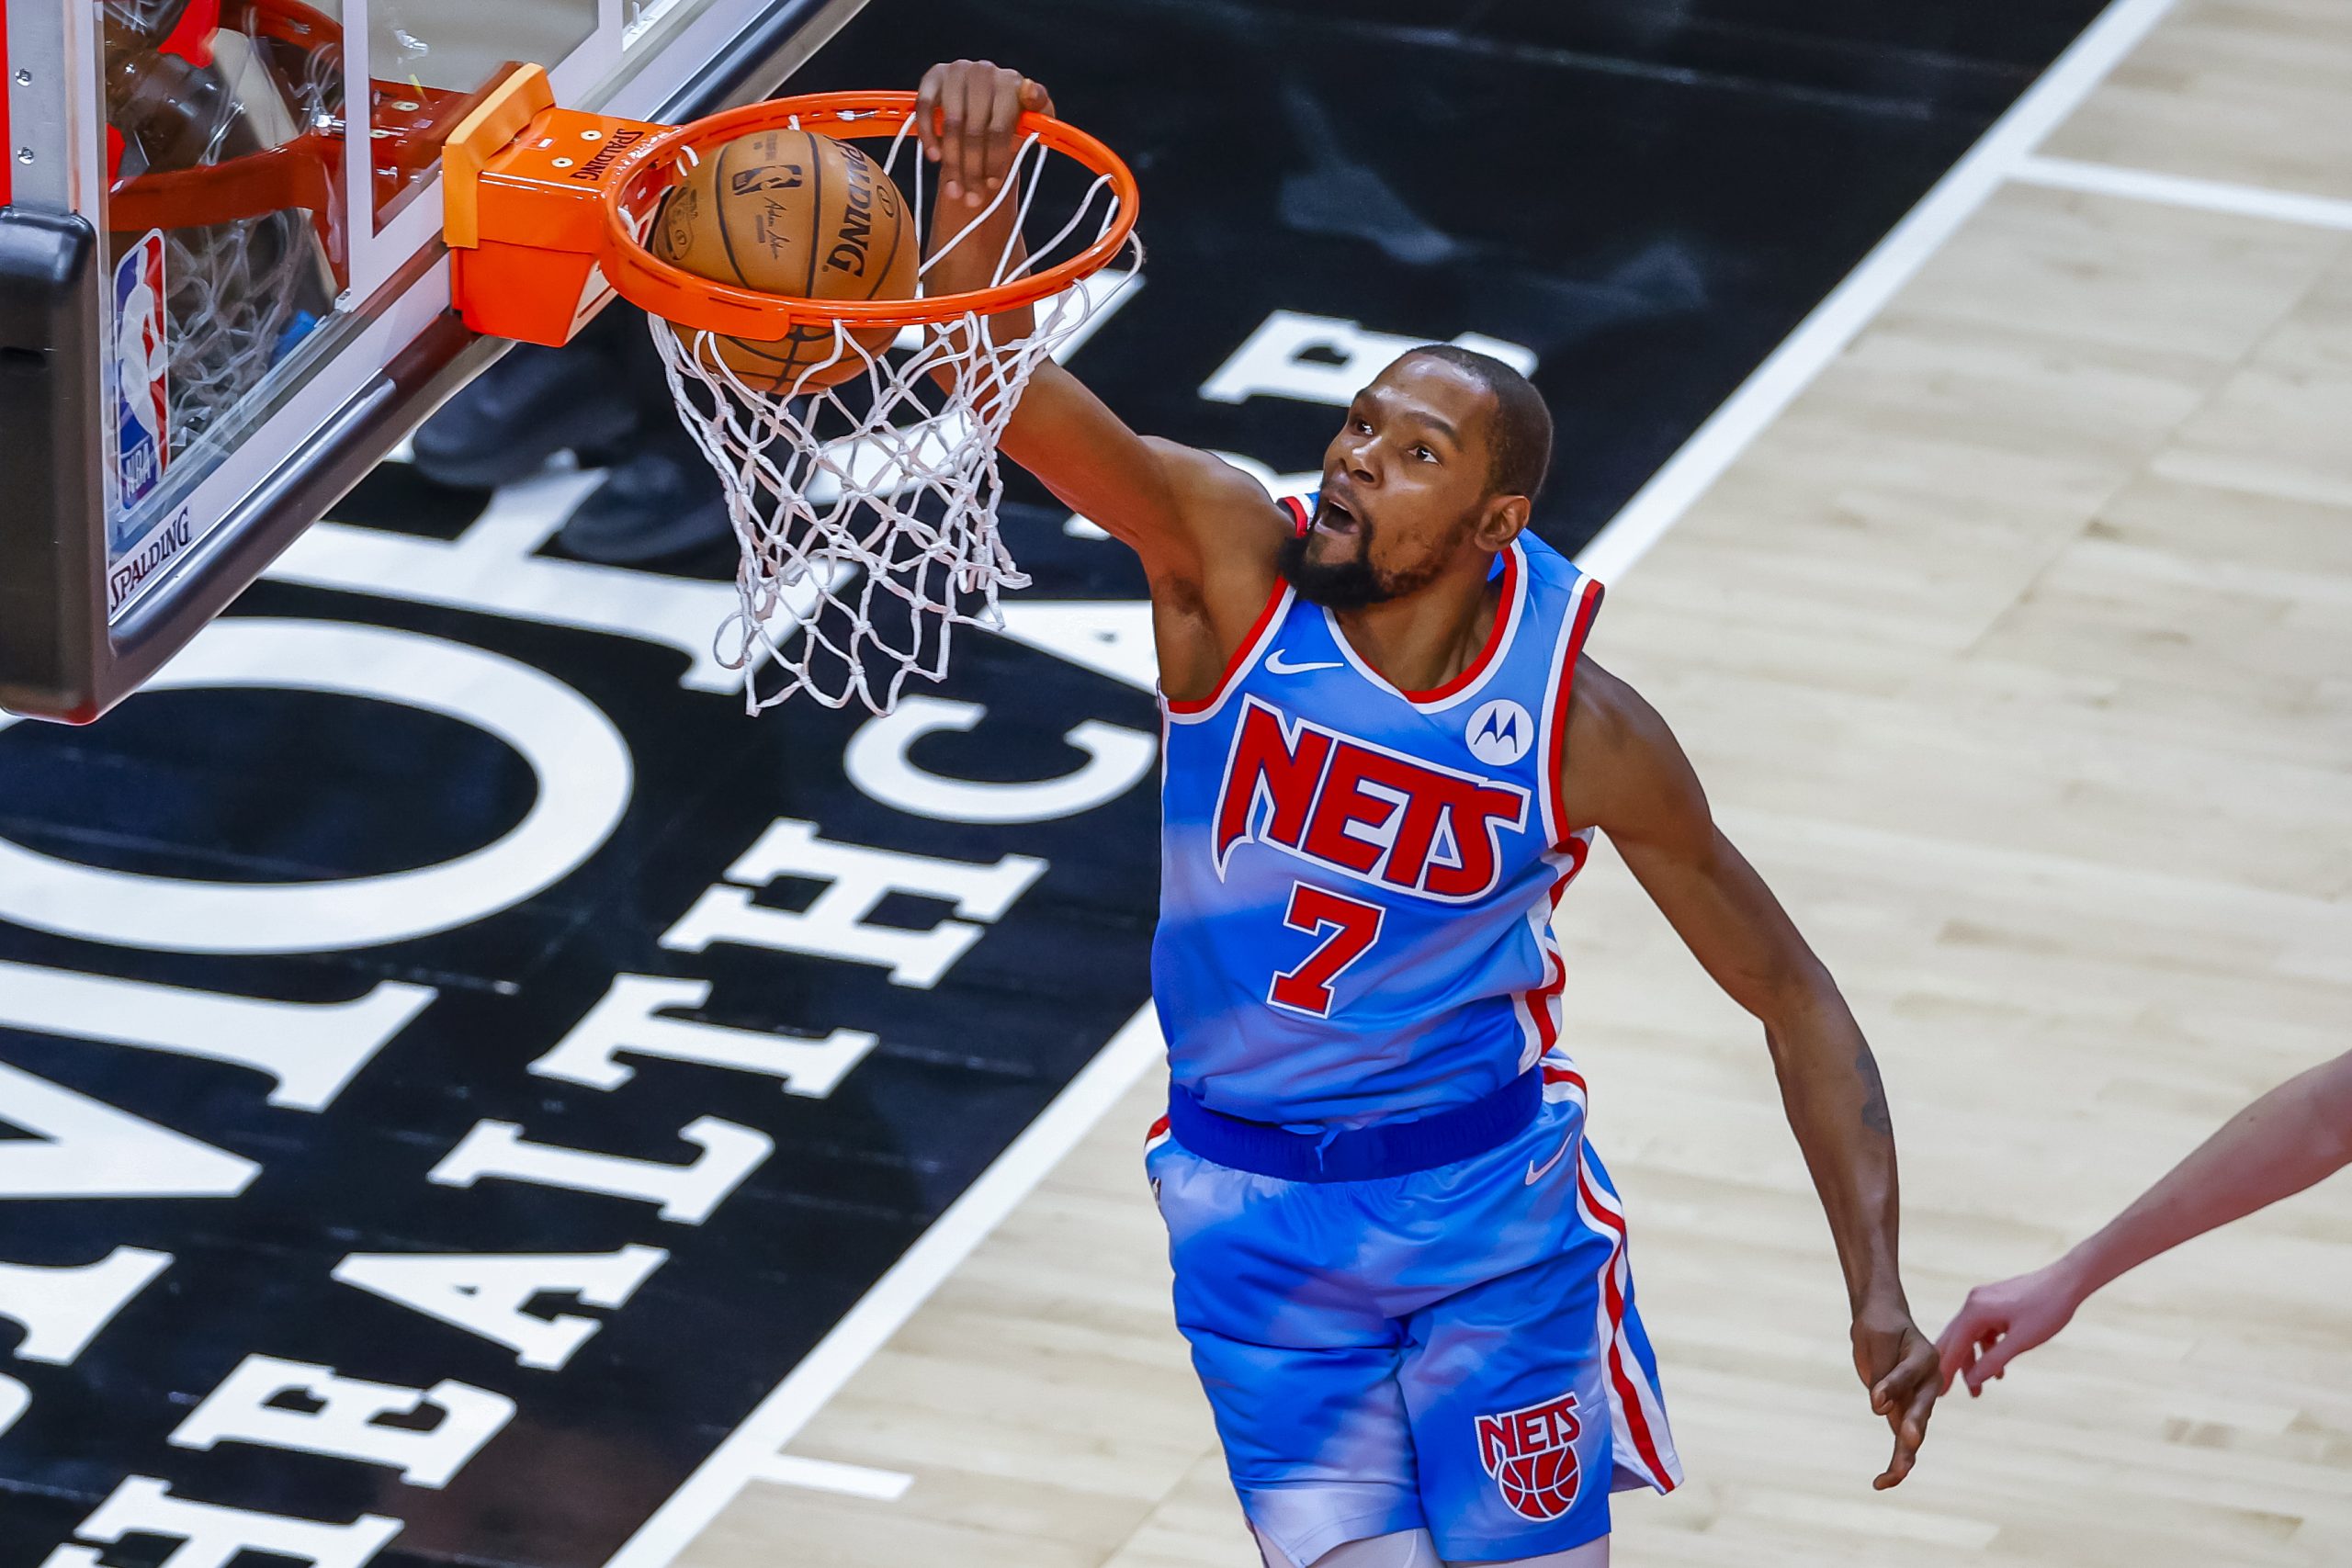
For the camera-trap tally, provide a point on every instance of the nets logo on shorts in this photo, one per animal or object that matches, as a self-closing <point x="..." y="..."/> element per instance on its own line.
<point x="1532" y="1454"/>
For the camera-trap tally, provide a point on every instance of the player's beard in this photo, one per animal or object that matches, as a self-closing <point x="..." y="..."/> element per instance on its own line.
<point x="1354" y="583"/>
<point x="1348" y="584"/>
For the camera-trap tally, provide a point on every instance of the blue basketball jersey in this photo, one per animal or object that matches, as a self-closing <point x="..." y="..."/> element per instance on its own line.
<point x="1357" y="882"/>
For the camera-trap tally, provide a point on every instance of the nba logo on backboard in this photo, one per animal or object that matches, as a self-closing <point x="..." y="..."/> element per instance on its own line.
<point x="1532" y="1454"/>
<point x="142" y="363"/>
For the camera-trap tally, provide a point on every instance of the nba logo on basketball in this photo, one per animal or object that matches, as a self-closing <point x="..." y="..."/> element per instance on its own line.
<point x="1532" y="1454"/>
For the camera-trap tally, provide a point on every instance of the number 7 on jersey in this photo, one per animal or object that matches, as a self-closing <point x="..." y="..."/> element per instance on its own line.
<point x="1353" y="925"/>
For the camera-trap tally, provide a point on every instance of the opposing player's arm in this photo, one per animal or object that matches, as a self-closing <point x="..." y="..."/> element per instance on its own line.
<point x="1628" y="777"/>
<point x="2296" y="1135"/>
<point x="1206" y="532"/>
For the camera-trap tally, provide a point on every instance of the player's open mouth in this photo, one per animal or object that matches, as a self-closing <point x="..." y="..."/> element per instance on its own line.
<point x="1331" y="517"/>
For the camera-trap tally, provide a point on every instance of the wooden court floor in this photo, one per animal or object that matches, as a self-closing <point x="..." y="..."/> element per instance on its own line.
<point x="2017" y="651"/>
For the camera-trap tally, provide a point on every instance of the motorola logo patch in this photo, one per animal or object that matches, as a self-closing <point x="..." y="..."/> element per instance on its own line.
<point x="1499" y="732"/>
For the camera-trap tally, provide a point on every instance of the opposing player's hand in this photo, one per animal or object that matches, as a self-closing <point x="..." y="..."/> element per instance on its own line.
<point x="1897" y="1363"/>
<point x="2000" y="1323"/>
<point x="966" y="113"/>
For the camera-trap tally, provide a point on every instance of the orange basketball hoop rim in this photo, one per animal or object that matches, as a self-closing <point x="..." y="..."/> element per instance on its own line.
<point x="546" y="209"/>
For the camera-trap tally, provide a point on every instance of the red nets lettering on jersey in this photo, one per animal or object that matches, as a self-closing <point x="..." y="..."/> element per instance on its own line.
<point x="1344" y="802"/>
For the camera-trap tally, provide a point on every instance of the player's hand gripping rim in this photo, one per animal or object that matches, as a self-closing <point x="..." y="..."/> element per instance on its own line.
<point x="1899" y="1365"/>
<point x="965" y="113"/>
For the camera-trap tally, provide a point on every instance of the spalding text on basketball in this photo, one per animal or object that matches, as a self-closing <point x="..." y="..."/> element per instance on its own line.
<point x="848" y="253"/>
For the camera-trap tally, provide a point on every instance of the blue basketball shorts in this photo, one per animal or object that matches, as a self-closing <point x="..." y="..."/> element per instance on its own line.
<point x="1455" y="1350"/>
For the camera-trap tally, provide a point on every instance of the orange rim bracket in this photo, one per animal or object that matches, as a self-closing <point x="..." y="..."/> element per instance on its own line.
<point x="480" y="137"/>
<point x="522" y="209"/>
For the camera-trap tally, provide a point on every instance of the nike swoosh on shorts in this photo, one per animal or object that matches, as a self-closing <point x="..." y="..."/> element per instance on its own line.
<point x="1274" y="665"/>
<point x="1537" y="1174"/>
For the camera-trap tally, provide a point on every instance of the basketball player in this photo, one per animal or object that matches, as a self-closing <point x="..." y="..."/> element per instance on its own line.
<point x="1399" y="1264"/>
<point x="2299" y="1134"/>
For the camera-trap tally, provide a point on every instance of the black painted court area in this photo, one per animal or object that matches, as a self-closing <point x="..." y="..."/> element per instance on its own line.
<point x="1646" y="198"/>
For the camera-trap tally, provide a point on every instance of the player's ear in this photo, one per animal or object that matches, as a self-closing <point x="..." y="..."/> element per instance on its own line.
<point x="1501" y="522"/>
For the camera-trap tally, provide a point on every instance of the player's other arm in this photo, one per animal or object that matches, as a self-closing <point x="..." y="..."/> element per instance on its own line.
<point x="1628" y="777"/>
<point x="2299" y="1134"/>
<point x="1205" y="531"/>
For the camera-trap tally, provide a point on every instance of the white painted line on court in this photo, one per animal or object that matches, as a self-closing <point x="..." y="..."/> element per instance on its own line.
<point x="824" y="1475"/>
<point x="2180" y="190"/>
<point x="1851" y="306"/>
<point x="754" y="1448"/>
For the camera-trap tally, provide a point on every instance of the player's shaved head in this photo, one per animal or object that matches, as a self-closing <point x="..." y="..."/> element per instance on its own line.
<point x="1520" y="442"/>
<point x="1433" y="469"/>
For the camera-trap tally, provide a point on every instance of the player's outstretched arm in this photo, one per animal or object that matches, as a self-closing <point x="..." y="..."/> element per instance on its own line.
<point x="2299" y="1134"/>
<point x="1206" y="531"/>
<point x="1628" y="777"/>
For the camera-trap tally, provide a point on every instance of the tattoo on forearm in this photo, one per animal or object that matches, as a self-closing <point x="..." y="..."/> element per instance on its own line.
<point x="1875" y="1115"/>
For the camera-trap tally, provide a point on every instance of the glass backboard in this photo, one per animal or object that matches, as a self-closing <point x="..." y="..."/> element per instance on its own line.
<point x="224" y="294"/>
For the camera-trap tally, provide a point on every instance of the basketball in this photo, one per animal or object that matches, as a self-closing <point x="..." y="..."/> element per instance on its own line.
<point x="792" y="212"/>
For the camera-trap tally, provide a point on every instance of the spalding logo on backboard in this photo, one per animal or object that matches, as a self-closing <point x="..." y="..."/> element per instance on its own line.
<point x="141" y="368"/>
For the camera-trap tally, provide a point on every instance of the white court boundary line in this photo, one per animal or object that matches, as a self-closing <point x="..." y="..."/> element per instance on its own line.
<point x="2183" y="190"/>
<point x="753" y="1450"/>
<point x="1854" y="303"/>
<point x="824" y="1475"/>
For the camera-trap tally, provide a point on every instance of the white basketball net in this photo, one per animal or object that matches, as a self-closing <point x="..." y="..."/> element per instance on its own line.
<point x="867" y="511"/>
<point x="233" y="289"/>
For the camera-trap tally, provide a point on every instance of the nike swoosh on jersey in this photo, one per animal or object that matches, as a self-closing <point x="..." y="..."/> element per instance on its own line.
<point x="1274" y="665"/>
<point x="1537" y="1173"/>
